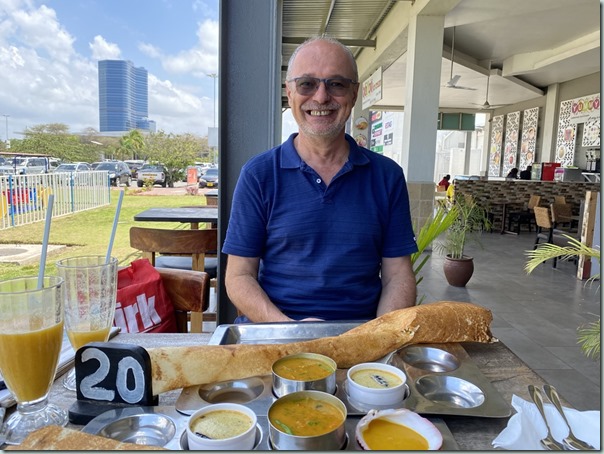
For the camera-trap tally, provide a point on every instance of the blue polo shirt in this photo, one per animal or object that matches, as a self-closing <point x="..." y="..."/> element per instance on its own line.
<point x="320" y="247"/>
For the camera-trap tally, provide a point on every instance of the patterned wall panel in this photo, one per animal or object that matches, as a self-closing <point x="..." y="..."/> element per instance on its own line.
<point x="591" y="133"/>
<point x="496" y="143"/>
<point x="510" y="154"/>
<point x="565" y="144"/>
<point x="530" y="119"/>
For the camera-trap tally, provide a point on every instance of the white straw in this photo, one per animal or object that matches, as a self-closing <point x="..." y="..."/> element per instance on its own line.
<point x="51" y="200"/>
<point x="115" y="219"/>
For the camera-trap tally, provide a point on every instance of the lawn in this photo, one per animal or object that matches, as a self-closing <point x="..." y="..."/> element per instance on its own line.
<point x="88" y="232"/>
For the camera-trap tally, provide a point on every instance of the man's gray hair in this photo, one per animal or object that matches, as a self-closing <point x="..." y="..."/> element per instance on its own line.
<point x="327" y="39"/>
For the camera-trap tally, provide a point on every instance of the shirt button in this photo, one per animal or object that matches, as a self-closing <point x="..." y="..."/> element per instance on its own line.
<point x="318" y="180"/>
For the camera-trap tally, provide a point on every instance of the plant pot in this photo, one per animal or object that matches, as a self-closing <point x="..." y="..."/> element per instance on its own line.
<point x="458" y="271"/>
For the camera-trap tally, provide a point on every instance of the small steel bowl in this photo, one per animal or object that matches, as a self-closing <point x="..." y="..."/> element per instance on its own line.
<point x="430" y="358"/>
<point x="283" y="385"/>
<point x="335" y="439"/>
<point x="147" y="429"/>
<point x="450" y="391"/>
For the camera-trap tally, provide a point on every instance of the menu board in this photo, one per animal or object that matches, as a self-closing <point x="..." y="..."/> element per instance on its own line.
<point x="528" y="142"/>
<point x="511" y="142"/>
<point x="377" y="133"/>
<point x="495" y="149"/>
<point x="585" y="109"/>
<point x="565" y="144"/>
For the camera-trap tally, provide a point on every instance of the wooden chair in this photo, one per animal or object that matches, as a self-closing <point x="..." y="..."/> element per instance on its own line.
<point x="546" y="230"/>
<point x="180" y="249"/>
<point x="525" y="216"/>
<point x="559" y="199"/>
<point x="562" y="215"/>
<point x="189" y="292"/>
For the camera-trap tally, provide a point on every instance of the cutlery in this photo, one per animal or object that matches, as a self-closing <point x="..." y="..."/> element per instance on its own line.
<point x="2" y="428"/>
<point x="571" y="440"/>
<point x="548" y="442"/>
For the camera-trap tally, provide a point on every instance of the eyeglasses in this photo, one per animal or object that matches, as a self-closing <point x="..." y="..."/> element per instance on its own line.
<point x="308" y="86"/>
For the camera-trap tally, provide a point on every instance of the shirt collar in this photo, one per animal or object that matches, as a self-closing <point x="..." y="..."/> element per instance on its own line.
<point x="290" y="159"/>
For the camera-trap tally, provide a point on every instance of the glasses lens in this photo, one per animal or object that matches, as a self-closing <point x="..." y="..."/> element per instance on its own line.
<point x="307" y="85"/>
<point x="337" y="87"/>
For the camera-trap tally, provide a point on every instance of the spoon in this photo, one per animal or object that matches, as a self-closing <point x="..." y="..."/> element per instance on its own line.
<point x="572" y="441"/>
<point x="548" y="442"/>
<point x="199" y="434"/>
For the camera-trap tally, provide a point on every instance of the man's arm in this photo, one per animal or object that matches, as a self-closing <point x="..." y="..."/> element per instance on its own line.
<point x="398" y="285"/>
<point x="241" y="282"/>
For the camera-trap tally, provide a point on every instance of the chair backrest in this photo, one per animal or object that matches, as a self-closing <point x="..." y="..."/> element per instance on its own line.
<point x="561" y="212"/>
<point x="193" y="243"/>
<point x="196" y="243"/>
<point x="189" y="291"/>
<point x="534" y="201"/>
<point x="542" y="217"/>
<point x="559" y="199"/>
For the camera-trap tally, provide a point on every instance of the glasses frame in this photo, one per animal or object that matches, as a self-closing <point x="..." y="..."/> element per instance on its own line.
<point x="326" y="81"/>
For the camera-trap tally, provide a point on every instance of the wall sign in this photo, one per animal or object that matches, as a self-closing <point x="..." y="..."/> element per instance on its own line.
<point x="528" y="141"/>
<point x="372" y="89"/>
<point x="511" y="142"/>
<point x="496" y="144"/>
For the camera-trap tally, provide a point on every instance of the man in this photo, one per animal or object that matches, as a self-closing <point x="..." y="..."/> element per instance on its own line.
<point x="526" y="174"/>
<point x="320" y="228"/>
<point x="445" y="181"/>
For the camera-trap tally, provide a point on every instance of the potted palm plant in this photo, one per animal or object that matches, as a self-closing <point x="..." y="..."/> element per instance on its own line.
<point x="469" y="221"/>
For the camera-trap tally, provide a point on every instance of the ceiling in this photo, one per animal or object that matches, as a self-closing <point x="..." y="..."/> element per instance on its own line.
<point x="530" y="44"/>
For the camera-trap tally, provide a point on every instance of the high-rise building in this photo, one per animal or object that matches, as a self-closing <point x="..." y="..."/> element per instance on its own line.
<point x="123" y="96"/>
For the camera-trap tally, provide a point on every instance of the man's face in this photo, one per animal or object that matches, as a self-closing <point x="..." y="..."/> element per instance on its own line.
<point x="321" y="114"/>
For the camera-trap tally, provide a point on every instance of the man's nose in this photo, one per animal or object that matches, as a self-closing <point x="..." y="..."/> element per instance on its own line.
<point x="321" y="95"/>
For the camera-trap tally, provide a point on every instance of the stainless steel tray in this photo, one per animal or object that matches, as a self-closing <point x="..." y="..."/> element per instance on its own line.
<point x="178" y="441"/>
<point x="459" y="390"/>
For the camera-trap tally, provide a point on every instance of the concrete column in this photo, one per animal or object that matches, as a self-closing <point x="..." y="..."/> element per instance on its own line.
<point x="550" y="124"/>
<point x="249" y="103"/>
<point x="424" y="61"/>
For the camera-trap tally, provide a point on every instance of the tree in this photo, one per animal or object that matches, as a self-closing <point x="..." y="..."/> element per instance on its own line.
<point x="174" y="152"/>
<point x="132" y="144"/>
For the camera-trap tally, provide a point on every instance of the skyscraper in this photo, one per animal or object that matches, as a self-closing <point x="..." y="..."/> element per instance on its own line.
<point x="123" y="96"/>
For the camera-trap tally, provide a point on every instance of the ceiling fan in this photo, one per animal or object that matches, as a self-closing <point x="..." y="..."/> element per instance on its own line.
<point x="455" y="78"/>
<point x="486" y="105"/>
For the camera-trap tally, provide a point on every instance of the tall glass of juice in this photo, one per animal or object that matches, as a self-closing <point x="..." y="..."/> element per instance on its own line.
<point x="90" y="295"/>
<point x="31" y="333"/>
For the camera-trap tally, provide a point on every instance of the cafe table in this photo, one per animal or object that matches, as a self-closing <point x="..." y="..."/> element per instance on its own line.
<point x="193" y="215"/>
<point x="507" y="373"/>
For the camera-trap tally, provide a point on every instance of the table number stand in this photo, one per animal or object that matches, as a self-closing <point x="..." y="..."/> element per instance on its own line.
<point x="110" y="376"/>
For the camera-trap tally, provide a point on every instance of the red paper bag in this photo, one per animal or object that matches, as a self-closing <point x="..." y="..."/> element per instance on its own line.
<point x="143" y="306"/>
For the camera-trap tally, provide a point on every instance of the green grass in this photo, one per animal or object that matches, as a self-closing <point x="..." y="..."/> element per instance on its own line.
<point x="87" y="233"/>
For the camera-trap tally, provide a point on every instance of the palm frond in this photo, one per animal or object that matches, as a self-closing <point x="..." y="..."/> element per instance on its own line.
<point x="589" y="338"/>
<point x="547" y="251"/>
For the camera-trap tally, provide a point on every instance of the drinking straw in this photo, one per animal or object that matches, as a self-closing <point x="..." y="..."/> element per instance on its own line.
<point x="115" y="219"/>
<point x="51" y="200"/>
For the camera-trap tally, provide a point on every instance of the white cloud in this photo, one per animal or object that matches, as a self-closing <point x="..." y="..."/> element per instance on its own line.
<point x="103" y="50"/>
<point x="39" y="29"/>
<point x="202" y="59"/>
<point x="150" y="50"/>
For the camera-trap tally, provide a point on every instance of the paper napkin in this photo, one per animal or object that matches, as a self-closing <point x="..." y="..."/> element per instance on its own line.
<point x="526" y="427"/>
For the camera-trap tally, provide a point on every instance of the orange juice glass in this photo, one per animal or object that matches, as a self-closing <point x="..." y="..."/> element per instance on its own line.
<point x="90" y="294"/>
<point x="31" y="333"/>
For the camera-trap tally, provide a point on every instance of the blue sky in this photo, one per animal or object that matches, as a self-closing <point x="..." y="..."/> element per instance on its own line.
<point x="49" y="52"/>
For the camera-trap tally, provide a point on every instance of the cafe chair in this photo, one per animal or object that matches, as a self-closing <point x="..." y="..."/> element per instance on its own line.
<point x="562" y="216"/>
<point x="546" y="232"/>
<point x="525" y="216"/>
<point x="189" y="292"/>
<point x="180" y="249"/>
<point x="559" y="199"/>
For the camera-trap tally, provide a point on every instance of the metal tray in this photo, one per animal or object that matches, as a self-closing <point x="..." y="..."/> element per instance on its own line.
<point x="443" y="383"/>
<point x="178" y="441"/>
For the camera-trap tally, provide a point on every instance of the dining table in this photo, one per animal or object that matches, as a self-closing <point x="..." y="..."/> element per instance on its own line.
<point x="508" y="374"/>
<point x="504" y="206"/>
<point x="192" y="215"/>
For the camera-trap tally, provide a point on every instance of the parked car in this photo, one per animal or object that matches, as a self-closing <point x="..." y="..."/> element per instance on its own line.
<point x="134" y="165"/>
<point x="209" y="179"/>
<point x="151" y="172"/>
<point x="119" y="172"/>
<point x="73" y="167"/>
<point x="25" y="165"/>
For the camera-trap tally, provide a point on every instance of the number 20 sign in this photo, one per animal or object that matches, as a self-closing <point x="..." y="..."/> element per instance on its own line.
<point x="113" y="372"/>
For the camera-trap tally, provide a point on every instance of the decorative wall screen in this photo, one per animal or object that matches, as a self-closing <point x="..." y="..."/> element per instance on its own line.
<point x="565" y="144"/>
<point x="591" y="133"/>
<point x="530" y="119"/>
<point x="495" y="150"/>
<point x="510" y="154"/>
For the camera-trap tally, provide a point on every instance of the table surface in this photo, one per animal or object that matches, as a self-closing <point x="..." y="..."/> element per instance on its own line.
<point x="179" y="214"/>
<point x="508" y="374"/>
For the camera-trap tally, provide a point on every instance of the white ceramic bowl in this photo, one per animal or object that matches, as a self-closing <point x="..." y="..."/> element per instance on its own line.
<point x="383" y="390"/>
<point x="242" y="441"/>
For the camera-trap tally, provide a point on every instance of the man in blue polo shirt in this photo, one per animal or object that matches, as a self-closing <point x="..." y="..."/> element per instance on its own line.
<point x="320" y="228"/>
